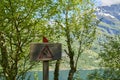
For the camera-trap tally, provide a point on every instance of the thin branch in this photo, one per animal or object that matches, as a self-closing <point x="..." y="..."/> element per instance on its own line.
<point x="80" y="49"/>
<point x="59" y="24"/>
<point x="66" y="52"/>
<point x="79" y="53"/>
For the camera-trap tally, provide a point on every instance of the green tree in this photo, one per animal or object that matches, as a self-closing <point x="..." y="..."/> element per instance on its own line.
<point x="18" y="27"/>
<point x="24" y="21"/>
<point x="110" y="60"/>
<point x="77" y="25"/>
<point x="110" y="54"/>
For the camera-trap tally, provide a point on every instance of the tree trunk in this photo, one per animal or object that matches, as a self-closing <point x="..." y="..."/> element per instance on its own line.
<point x="69" y="45"/>
<point x="11" y="77"/>
<point x="73" y="68"/>
<point x="56" y="72"/>
<point x="71" y="74"/>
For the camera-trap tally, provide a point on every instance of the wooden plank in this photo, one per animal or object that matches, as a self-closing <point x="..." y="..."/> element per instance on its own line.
<point x="45" y="70"/>
<point x="45" y="51"/>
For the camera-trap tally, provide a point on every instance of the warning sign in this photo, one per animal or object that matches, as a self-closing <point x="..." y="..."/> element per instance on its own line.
<point x="45" y="51"/>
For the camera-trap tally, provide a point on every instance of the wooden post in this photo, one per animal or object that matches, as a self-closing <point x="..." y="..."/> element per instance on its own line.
<point x="45" y="70"/>
<point x="45" y="65"/>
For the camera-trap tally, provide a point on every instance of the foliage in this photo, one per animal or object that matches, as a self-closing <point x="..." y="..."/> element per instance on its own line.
<point x="110" y="55"/>
<point x="77" y="76"/>
<point x="25" y="21"/>
<point x="106" y="74"/>
<point x="110" y="52"/>
<point x="78" y="28"/>
<point x="95" y="76"/>
<point x="18" y="27"/>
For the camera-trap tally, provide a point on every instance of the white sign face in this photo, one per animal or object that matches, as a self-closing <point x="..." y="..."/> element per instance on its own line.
<point x="45" y="51"/>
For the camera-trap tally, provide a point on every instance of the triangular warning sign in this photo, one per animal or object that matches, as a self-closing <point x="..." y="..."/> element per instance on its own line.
<point x="45" y="53"/>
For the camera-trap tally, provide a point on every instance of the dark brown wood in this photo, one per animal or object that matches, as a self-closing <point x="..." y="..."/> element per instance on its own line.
<point x="56" y="71"/>
<point x="45" y="70"/>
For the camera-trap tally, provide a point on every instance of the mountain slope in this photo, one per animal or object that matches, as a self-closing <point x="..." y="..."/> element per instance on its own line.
<point x="110" y="18"/>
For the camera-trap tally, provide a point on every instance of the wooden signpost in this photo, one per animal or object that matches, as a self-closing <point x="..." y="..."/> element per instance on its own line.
<point x="44" y="52"/>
